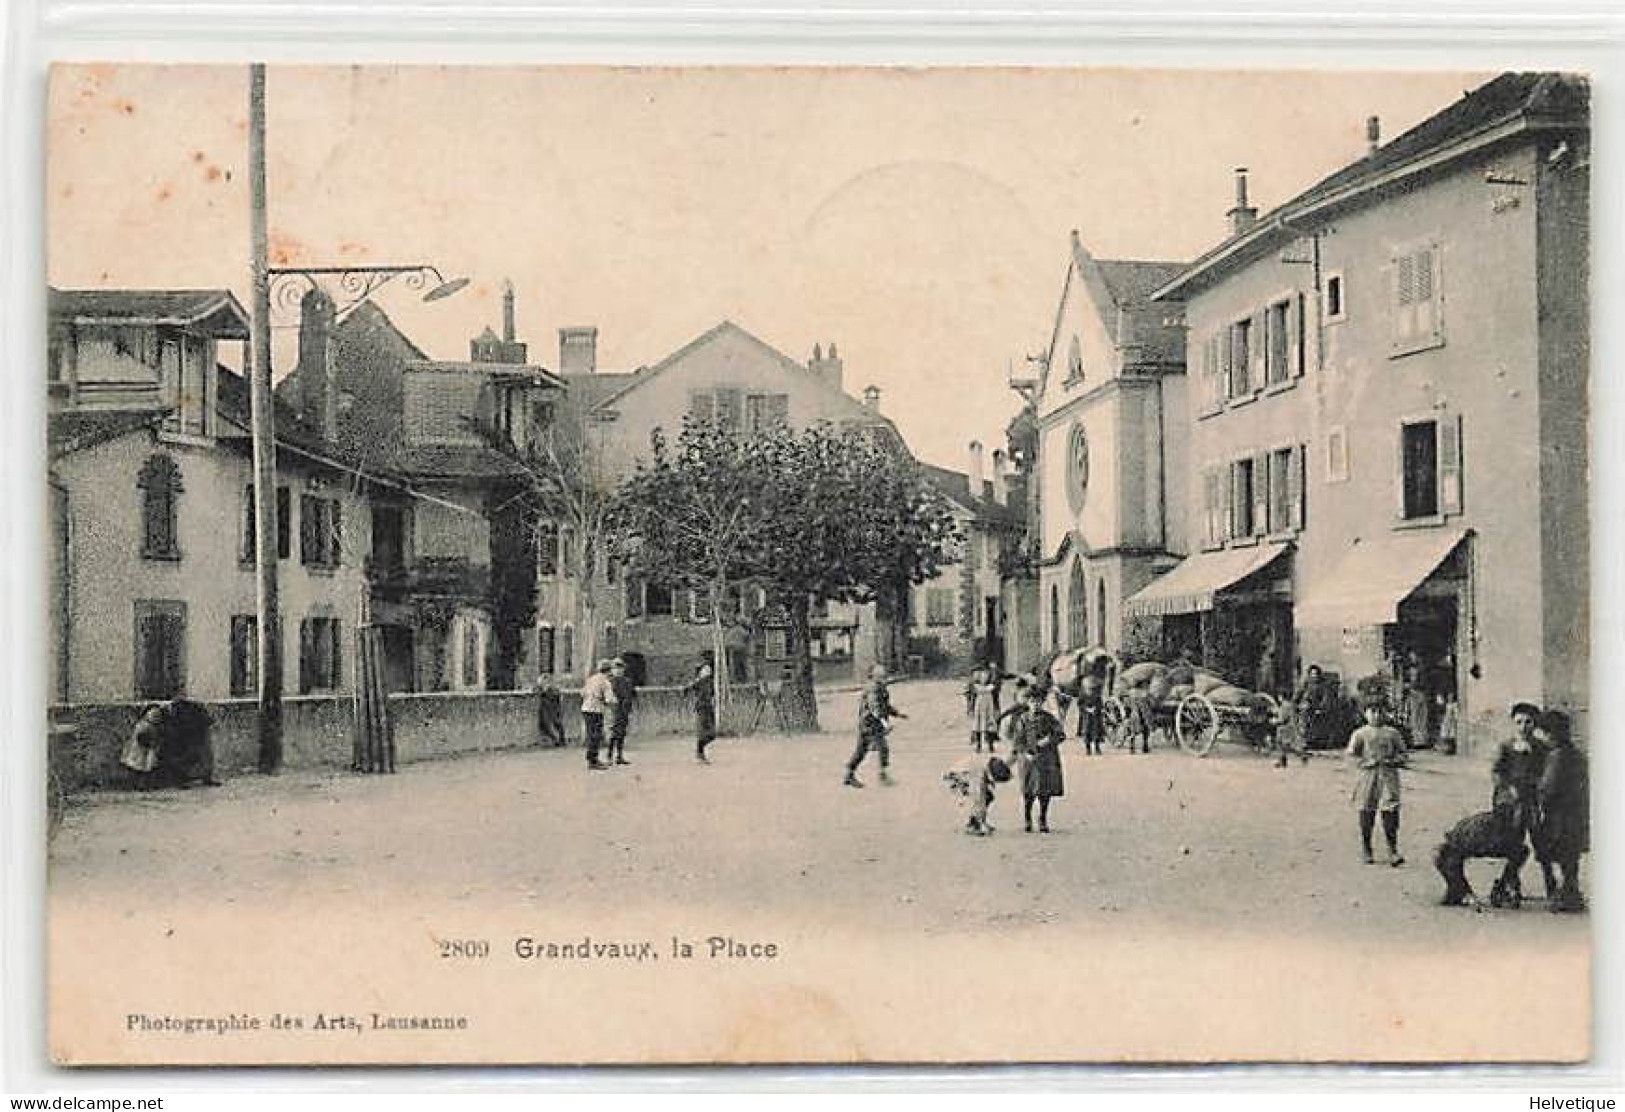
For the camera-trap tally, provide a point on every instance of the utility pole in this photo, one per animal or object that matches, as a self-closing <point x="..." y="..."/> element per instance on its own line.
<point x="263" y="424"/>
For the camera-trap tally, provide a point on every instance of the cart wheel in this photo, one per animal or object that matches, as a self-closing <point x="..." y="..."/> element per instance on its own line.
<point x="1113" y="719"/>
<point x="1196" y="724"/>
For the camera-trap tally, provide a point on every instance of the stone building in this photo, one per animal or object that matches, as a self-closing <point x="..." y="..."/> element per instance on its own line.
<point x="1388" y="419"/>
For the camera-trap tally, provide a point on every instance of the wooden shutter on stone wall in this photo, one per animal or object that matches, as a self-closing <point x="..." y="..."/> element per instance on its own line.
<point x="1261" y="494"/>
<point x="1449" y="456"/>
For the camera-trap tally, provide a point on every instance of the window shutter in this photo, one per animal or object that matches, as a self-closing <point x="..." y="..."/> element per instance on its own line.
<point x="634" y="598"/>
<point x="284" y="523"/>
<point x="1227" y="363"/>
<point x="730" y="408"/>
<point x="1216" y="372"/>
<point x="1261" y="494"/>
<point x="702" y="405"/>
<point x="307" y="530"/>
<point x="1210" y="506"/>
<point x="1427" y="292"/>
<point x="1296" y="332"/>
<point x="1227" y="499"/>
<point x="336" y="628"/>
<point x="246" y="552"/>
<point x="338" y="532"/>
<point x="1399" y="471"/>
<point x="1450" y="500"/>
<point x="307" y="645"/>
<point x="1258" y="350"/>
<point x="1297" y="488"/>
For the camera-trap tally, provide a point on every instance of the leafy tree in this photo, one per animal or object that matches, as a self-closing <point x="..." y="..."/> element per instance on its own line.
<point x="851" y="521"/>
<point x="693" y="513"/>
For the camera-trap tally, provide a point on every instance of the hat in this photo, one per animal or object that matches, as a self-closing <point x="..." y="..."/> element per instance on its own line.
<point x="998" y="769"/>
<point x="878" y="672"/>
<point x="1556" y="723"/>
<point x="1524" y="708"/>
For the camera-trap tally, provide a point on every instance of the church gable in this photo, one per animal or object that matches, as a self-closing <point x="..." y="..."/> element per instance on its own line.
<point x="1082" y="353"/>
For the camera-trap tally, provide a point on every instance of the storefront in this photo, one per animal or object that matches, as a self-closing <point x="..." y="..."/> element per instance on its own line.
<point x="1399" y="608"/>
<point x="1229" y="611"/>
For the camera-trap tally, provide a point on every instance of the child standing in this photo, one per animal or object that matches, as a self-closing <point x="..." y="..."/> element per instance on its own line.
<point x="1378" y="751"/>
<point x="981" y="703"/>
<point x="874" y="723"/>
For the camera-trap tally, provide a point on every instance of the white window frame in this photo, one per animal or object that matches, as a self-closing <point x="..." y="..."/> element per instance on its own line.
<point x="1342" y="314"/>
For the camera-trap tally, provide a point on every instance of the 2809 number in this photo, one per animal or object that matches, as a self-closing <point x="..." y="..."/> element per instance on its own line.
<point x="464" y="948"/>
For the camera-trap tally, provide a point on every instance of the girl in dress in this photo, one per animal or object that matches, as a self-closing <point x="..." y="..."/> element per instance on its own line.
<point x="1378" y="752"/>
<point x="1035" y="740"/>
<point x="981" y="703"/>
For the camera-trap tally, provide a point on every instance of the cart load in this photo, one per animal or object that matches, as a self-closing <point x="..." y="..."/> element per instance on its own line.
<point x="1199" y="707"/>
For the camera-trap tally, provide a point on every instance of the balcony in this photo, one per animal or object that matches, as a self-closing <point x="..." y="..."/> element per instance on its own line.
<point x="428" y="576"/>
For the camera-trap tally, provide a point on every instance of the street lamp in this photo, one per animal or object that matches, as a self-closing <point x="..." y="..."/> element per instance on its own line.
<point x="355" y="284"/>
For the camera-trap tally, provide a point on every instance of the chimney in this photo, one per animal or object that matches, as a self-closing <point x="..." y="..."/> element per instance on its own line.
<point x="578" y="350"/>
<point x="1001" y="491"/>
<point x="1243" y="215"/>
<point x="507" y="311"/>
<point x="1373" y="134"/>
<point x="826" y="367"/>
<point x="871" y="397"/>
<point x="318" y="392"/>
<point x="974" y="471"/>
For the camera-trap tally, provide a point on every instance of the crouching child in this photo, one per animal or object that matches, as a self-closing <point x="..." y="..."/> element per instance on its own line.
<point x="1492" y="834"/>
<point x="972" y="780"/>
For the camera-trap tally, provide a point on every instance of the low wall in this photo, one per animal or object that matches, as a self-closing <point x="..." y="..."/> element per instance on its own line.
<point x="86" y="738"/>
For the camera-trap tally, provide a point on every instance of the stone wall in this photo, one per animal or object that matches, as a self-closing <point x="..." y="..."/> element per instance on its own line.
<point x="86" y="738"/>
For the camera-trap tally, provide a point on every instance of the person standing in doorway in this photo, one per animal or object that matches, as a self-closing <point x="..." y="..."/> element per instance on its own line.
<point x="702" y="692"/>
<point x="597" y="697"/>
<point x="620" y="713"/>
<point x="875" y="712"/>
<point x="1378" y="751"/>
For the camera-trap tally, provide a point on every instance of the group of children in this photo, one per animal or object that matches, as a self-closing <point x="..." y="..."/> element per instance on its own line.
<point x="1033" y="737"/>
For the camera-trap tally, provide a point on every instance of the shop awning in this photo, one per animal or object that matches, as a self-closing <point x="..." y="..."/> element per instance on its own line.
<point x="1191" y="585"/>
<point x="1368" y="584"/>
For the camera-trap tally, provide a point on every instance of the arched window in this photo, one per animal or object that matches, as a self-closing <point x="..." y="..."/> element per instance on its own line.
<point x="1100" y="612"/>
<point x="1054" y="617"/>
<point x="160" y="485"/>
<point x="1077" y="602"/>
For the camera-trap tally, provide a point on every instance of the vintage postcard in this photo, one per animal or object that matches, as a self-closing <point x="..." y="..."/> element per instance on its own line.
<point x="817" y="565"/>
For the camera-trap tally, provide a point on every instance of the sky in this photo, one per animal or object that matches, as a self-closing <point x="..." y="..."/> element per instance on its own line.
<point x="917" y="218"/>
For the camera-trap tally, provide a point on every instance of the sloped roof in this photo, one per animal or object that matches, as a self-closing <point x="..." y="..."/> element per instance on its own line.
<point x="956" y="486"/>
<point x="175" y="307"/>
<point x="453" y="461"/>
<point x="74" y="432"/>
<point x="1133" y="281"/>
<point x="589" y="388"/>
<point x="1505" y="100"/>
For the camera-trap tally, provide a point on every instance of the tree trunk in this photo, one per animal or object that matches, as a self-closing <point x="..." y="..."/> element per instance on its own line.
<point x="588" y="608"/>
<point x="720" y="679"/>
<point x="800" y="704"/>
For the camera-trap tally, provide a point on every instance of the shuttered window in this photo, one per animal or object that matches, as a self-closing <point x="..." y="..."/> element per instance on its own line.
<point x="544" y="650"/>
<point x="160" y="485"/>
<point x="160" y="649"/>
<point x="244" y="655"/>
<point x="320" y="531"/>
<point x="1417" y="301"/>
<point x="321" y="656"/>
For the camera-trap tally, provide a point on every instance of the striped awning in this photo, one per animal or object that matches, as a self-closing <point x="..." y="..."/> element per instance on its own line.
<point x="1368" y="584"/>
<point x="1192" y="584"/>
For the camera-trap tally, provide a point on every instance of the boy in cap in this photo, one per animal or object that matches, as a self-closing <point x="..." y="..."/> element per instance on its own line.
<point x="620" y="713"/>
<point x="875" y="711"/>
<point x="597" y="697"/>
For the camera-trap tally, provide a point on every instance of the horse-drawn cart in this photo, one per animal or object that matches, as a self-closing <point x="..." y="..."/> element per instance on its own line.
<point x="1191" y="705"/>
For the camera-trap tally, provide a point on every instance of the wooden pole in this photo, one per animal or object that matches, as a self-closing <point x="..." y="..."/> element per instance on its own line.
<point x="263" y="425"/>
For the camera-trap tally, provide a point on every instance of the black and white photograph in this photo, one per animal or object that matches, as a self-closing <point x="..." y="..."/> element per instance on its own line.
<point x="721" y="565"/>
